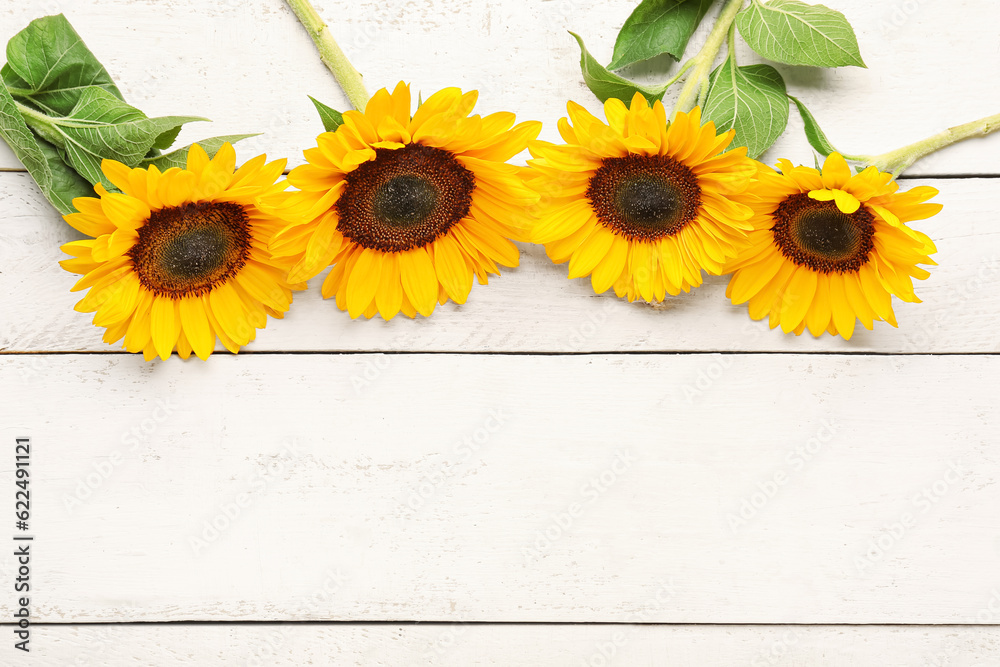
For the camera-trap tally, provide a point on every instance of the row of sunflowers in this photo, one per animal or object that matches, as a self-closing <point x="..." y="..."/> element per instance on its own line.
<point x="409" y="209"/>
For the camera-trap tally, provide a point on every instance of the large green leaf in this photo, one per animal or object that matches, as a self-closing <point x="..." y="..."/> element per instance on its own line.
<point x="178" y="158"/>
<point x="657" y="27"/>
<point x="792" y="32"/>
<point x="332" y="119"/>
<point x="21" y="140"/>
<point x="102" y="126"/>
<point x="814" y="134"/>
<point x="605" y="84"/>
<point x="48" y="64"/>
<point x="67" y="184"/>
<point x="752" y="100"/>
<point x="57" y="181"/>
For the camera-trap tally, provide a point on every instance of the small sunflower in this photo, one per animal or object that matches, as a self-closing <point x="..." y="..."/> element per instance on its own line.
<point x="407" y="208"/>
<point x="640" y="205"/>
<point x="179" y="258"/>
<point x="828" y="248"/>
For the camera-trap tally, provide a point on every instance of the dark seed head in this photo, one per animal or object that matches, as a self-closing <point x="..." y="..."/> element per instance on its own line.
<point x="644" y="197"/>
<point x="821" y="236"/>
<point x="405" y="198"/>
<point x="186" y="250"/>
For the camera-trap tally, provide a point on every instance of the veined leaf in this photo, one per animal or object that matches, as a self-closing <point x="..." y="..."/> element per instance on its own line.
<point x="102" y="126"/>
<point x="605" y="84"/>
<point x="57" y="181"/>
<point x="332" y="119"/>
<point x="792" y="32"/>
<point x="48" y="64"/>
<point x="752" y="100"/>
<point x="657" y="27"/>
<point x="814" y="134"/>
<point x="178" y="158"/>
<point x="21" y="140"/>
<point x="67" y="184"/>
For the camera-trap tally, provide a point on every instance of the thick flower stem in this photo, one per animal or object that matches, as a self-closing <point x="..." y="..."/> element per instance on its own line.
<point x="901" y="159"/>
<point x="41" y="124"/>
<point x="696" y="83"/>
<point x="329" y="52"/>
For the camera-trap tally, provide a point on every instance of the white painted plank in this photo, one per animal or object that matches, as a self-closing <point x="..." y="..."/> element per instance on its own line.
<point x="534" y="307"/>
<point x="249" y="65"/>
<point x="513" y="645"/>
<point x="682" y="488"/>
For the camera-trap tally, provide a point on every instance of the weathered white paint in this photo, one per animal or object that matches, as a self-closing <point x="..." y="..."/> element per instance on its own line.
<point x="444" y="487"/>
<point x="512" y="645"/>
<point x="534" y="307"/>
<point x="328" y="453"/>
<point x="249" y="65"/>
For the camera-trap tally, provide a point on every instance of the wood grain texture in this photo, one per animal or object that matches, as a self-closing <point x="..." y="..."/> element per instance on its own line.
<point x="662" y="488"/>
<point x="249" y="65"/>
<point x="534" y="307"/>
<point x="461" y="645"/>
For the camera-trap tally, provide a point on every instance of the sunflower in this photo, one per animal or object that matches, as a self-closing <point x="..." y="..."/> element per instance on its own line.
<point x="640" y="205"/>
<point x="406" y="208"/>
<point x="828" y="248"/>
<point x="179" y="258"/>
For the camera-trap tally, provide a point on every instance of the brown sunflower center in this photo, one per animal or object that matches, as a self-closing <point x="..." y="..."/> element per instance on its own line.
<point x="186" y="250"/>
<point x="404" y="198"/>
<point x="819" y="235"/>
<point x="644" y="197"/>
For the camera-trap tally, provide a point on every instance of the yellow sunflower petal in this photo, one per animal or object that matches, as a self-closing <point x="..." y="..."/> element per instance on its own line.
<point x="163" y="327"/>
<point x="363" y="282"/>
<point x="419" y="280"/>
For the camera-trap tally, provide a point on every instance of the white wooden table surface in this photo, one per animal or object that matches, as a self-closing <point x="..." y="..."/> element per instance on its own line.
<point x="362" y="492"/>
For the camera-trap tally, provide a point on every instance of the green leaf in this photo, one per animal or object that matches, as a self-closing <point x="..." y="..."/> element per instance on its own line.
<point x="794" y="33"/>
<point x="66" y="185"/>
<point x="102" y="126"/>
<point x="657" y="27"/>
<point x="48" y="64"/>
<point x="751" y="100"/>
<point x="22" y="141"/>
<point x="332" y="119"/>
<point x="178" y="158"/>
<point x="814" y="134"/>
<point x="58" y="182"/>
<point x="606" y="85"/>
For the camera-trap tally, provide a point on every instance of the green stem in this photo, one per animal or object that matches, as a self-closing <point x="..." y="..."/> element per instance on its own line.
<point x="41" y="124"/>
<point x="331" y="55"/>
<point x="901" y="159"/>
<point x="685" y="66"/>
<point x="696" y="84"/>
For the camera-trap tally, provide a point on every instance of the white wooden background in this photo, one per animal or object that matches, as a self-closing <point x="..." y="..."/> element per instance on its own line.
<point x="740" y="497"/>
